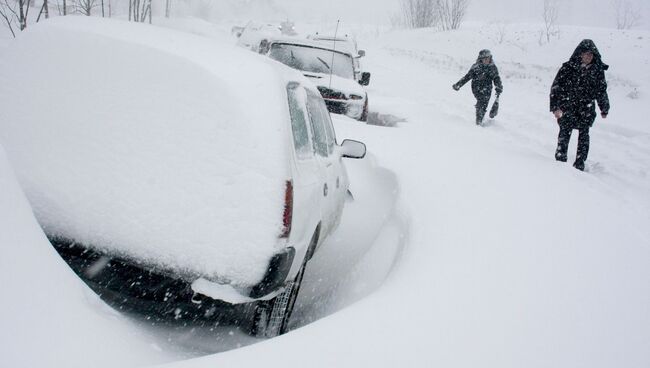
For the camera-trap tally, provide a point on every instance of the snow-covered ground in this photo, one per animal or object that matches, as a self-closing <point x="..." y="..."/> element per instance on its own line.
<point x="466" y="246"/>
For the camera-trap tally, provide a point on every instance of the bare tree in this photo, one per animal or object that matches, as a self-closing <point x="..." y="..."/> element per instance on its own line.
<point x="627" y="15"/>
<point x="450" y="13"/>
<point x="418" y="13"/>
<point x="85" y="7"/>
<point x="15" y="11"/>
<point x="443" y="14"/>
<point x="44" y="11"/>
<point x="140" y="10"/>
<point x="550" y="16"/>
<point x="9" y="13"/>
<point x="168" y="8"/>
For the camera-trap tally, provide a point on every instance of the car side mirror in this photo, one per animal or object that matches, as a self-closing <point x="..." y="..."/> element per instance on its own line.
<point x="362" y="53"/>
<point x="365" y="79"/>
<point x="353" y="149"/>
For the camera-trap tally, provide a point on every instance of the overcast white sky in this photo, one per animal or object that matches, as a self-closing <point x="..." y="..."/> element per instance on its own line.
<point x="579" y="12"/>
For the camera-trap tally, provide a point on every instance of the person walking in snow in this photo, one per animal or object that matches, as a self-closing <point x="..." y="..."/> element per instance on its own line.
<point x="483" y="75"/>
<point x="579" y="82"/>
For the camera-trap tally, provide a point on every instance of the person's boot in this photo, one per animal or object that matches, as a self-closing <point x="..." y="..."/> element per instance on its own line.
<point x="479" y="116"/>
<point x="580" y="165"/>
<point x="559" y="156"/>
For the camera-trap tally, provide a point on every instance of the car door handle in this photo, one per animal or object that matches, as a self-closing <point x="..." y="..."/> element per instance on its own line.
<point x="325" y="190"/>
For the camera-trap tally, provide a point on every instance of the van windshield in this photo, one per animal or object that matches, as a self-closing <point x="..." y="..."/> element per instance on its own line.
<point x="313" y="60"/>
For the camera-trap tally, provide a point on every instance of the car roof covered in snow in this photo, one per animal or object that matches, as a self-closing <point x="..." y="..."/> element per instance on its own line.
<point x="157" y="145"/>
<point x="343" y="42"/>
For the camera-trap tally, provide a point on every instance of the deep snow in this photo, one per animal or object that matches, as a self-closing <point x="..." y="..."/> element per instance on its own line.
<point x="49" y="317"/>
<point x="512" y="259"/>
<point x="509" y="258"/>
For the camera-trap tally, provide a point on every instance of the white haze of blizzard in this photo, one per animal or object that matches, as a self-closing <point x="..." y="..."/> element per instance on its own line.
<point x="546" y="267"/>
<point x="379" y="12"/>
<point x="142" y="143"/>
<point x="513" y="259"/>
<point x="49" y="317"/>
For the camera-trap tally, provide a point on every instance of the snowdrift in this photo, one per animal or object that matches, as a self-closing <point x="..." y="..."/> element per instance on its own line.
<point x="49" y="317"/>
<point x="157" y="145"/>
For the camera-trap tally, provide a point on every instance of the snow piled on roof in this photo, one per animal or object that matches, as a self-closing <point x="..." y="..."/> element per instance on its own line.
<point x="162" y="146"/>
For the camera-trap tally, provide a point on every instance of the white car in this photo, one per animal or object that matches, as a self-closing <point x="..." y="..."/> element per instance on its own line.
<point x="184" y="177"/>
<point x="334" y="70"/>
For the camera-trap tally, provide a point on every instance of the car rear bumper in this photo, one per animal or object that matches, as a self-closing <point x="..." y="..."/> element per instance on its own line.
<point x="130" y="288"/>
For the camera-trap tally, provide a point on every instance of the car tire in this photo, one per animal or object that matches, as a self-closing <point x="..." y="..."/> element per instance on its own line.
<point x="364" y="114"/>
<point x="271" y="318"/>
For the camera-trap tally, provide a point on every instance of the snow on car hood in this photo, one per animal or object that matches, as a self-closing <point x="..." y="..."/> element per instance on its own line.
<point x="347" y="86"/>
<point x="142" y="141"/>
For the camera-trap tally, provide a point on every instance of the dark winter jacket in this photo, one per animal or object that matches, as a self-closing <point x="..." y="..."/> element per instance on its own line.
<point x="482" y="76"/>
<point x="576" y="87"/>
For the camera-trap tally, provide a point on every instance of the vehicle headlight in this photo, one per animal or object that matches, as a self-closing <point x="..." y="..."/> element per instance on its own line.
<point x="356" y="97"/>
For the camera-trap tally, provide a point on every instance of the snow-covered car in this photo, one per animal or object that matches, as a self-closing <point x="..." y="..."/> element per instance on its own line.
<point x="343" y="42"/>
<point x="334" y="71"/>
<point x="174" y="174"/>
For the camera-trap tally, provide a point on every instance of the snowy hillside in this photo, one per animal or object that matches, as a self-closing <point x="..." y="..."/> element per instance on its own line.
<point x="466" y="246"/>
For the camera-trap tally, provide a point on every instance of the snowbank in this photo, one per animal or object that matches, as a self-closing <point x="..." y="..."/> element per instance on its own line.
<point x="49" y="317"/>
<point x="159" y="145"/>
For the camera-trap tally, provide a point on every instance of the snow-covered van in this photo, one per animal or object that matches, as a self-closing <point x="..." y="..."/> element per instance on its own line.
<point x="173" y="173"/>
<point x="332" y="66"/>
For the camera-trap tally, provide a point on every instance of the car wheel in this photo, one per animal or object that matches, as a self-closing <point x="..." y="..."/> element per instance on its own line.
<point x="271" y="317"/>
<point x="364" y="114"/>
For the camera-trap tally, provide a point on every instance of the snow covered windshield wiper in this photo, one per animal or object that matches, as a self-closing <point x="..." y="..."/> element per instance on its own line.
<point x="324" y="63"/>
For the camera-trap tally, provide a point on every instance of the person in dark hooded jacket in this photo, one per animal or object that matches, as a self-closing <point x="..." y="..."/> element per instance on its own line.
<point x="482" y="74"/>
<point x="579" y="82"/>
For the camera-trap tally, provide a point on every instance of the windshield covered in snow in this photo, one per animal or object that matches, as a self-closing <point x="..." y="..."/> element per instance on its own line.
<point x="312" y="59"/>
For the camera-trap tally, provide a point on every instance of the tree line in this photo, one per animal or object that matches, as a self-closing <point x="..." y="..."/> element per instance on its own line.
<point x="17" y="14"/>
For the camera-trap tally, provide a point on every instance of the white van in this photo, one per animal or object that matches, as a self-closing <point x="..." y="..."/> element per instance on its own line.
<point x="174" y="174"/>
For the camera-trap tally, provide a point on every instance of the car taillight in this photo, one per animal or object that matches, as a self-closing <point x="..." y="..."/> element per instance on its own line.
<point x="288" y="210"/>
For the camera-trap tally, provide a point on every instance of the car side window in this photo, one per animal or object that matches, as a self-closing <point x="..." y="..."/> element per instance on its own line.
<point x="329" y="128"/>
<point x="299" y="128"/>
<point x="323" y="140"/>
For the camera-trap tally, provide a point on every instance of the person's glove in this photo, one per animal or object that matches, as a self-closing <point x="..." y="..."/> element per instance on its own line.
<point x="456" y="87"/>
<point x="603" y="115"/>
<point x="499" y="91"/>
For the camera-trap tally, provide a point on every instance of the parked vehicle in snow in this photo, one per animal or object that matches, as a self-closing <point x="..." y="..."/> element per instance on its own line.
<point x="187" y="201"/>
<point x="347" y="43"/>
<point x="333" y="67"/>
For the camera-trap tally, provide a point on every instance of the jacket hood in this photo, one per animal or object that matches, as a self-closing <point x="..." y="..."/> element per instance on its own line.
<point x="483" y="54"/>
<point x="584" y="46"/>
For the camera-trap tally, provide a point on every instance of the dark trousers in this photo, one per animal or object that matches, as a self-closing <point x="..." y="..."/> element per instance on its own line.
<point x="563" y="142"/>
<point x="481" y="107"/>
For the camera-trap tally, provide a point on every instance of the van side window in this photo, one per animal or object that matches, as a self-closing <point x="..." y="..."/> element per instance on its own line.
<point x="299" y="127"/>
<point x="323" y="143"/>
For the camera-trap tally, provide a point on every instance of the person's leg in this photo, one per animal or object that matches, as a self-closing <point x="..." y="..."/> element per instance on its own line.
<point x="583" y="147"/>
<point x="563" y="141"/>
<point x="481" y="108"/>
